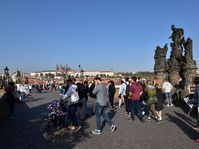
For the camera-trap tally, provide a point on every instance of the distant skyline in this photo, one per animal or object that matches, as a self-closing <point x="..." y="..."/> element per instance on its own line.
<point x="118" y="35"/>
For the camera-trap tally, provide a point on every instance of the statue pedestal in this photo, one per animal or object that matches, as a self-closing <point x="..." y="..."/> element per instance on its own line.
<point x="190" y="75"/>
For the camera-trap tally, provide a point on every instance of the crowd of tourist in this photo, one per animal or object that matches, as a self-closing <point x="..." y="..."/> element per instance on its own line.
<point x="144" y="99"/>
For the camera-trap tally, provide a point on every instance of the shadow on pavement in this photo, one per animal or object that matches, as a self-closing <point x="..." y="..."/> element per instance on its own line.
<point x="186" y="118"/>
<point x="192" y="134"/>
<point x="26" y="131"/>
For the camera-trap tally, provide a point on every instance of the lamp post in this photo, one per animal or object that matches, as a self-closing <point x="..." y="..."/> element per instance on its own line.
<point x="6" y="72"/>
<point x="81" y="73"/>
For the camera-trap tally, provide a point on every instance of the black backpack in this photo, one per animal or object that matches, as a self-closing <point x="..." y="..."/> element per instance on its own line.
<point x="91" y="91"/>
<point x="127" y="89"/>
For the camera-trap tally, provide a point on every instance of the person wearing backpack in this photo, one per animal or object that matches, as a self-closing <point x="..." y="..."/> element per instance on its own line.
<point x="151" y="101"/>
<point x="101" y="105"/>
<point x="126" y="96"/>
<point x="122" y="93"/>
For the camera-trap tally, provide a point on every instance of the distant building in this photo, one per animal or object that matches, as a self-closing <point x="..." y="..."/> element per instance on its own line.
<point x="61" y="70"/>
<point x="43" y="73"/>
<point x="73" y="73"/>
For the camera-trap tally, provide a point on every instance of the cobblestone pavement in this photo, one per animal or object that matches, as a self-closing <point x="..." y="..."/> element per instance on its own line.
<point x="27" y="130"/>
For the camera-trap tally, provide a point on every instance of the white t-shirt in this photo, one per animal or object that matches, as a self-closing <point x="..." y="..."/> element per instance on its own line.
<point x="167" y="87"/>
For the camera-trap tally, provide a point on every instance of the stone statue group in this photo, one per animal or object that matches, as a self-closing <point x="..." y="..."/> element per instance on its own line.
<point x="180" y="65"/>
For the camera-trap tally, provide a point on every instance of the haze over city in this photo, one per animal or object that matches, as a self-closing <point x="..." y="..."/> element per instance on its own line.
<point x="113" y="35"/>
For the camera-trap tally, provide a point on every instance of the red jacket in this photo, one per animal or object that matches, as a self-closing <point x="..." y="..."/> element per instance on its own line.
<point x="136" y="91"/>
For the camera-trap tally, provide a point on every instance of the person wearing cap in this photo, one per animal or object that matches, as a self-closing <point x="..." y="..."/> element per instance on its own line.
<point x="101" y="105"/>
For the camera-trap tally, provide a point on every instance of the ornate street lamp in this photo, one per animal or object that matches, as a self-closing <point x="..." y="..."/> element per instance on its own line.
<point x="81" y="73"/>
<point x="6" y="71"/>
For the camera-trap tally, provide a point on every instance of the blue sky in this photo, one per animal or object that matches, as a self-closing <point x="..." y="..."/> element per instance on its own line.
<point x="118" y="35"/>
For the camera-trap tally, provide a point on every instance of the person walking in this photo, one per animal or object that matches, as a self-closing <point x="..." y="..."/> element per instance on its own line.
<point x="111" y="93"/>
<point x="160" y="99"/>
<point x="152" y="100"/>
<point x="101" y="105"/>
<point x="126" y="96"/>
<point x="135" y="92"/>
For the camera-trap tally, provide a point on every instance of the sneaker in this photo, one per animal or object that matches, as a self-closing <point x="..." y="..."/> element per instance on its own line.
<point x="96" y="132"/>
<point x="168" y="105"/>
<point x="113" y="128"/>
<point x="143" y="112"/>
<point x="71" y="127"/>
<point x="148" y="118"/>
<point x="77" y="128"/>
<point x="159" y="121"/>
<point x="197" y="141"/>
<point x="196" y="127"/>
<point x="171" y="105"/>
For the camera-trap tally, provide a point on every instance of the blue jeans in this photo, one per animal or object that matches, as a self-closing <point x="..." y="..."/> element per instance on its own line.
<point x="168" y="98"/>
<point x="135" y="106"/>
<point x="100" y="111"/>
<point x="72" y="114"/>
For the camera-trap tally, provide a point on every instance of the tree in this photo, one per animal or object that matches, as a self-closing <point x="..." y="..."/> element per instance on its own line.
<point x="77" y="75"/>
